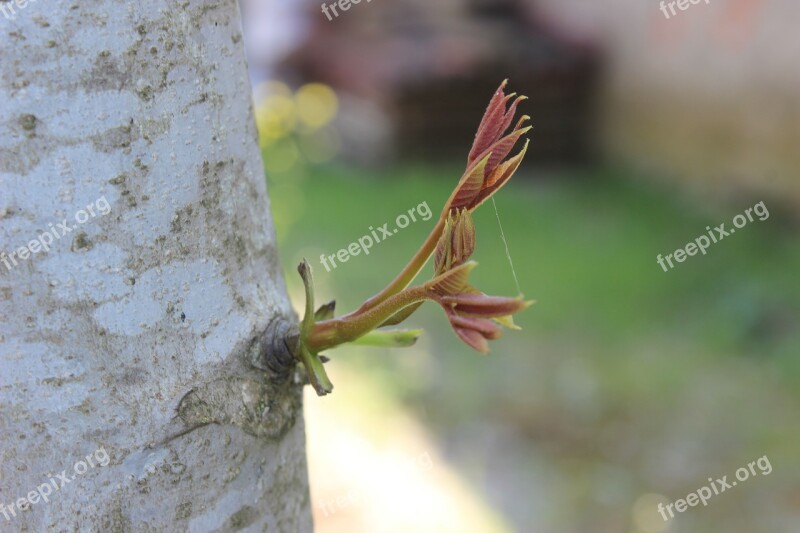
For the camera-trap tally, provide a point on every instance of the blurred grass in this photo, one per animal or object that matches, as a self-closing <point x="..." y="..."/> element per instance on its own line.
<point x="584" y="246"/>
<point x="613" y="350"/>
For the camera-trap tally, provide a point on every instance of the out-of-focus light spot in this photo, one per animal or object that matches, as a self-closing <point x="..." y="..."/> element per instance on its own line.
<point x="276" y="117"/>
<point x="271" y="88"/>
<point x="304" y="116"/>
<point x="317" y="105"/>
<point x="646" y="517"/>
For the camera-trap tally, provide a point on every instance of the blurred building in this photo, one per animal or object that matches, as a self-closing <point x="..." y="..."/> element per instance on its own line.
<point x="429" y="68"/>
<point x="708" y="96"/>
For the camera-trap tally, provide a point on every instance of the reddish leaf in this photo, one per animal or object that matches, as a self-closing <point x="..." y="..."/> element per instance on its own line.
<point x="500" y="151"/>
<point x="509" y="116"/>
<point x="442" y="256"/>
<point x="481" y="305"/>
<point x="501" y="175"/>
<point x="452" y="281"/>
<point x="473" y="339"/>
<point x="487" y="328"/>
<point x="463" y="237"/>
<point x="469" y="187"/>
<point x="492" y="121"/>
<point x="401" y="315"/>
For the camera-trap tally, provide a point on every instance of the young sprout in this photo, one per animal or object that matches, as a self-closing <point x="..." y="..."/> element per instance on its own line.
<point x="474" y="316"/>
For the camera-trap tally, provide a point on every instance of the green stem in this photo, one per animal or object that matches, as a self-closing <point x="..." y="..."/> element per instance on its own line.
<point x="330" y="333"/>
<point x="316" y="372"/>
<point x="407" y="275"/>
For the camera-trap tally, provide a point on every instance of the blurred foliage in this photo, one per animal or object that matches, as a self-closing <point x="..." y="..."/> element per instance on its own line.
<point x="626" y="384"/>
<point x="295" y="131"/>
<point x="584" y="247"/>
<point x="621" y="369"/>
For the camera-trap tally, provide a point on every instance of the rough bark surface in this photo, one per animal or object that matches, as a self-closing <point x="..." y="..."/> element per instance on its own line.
<point x="133" y="333"/>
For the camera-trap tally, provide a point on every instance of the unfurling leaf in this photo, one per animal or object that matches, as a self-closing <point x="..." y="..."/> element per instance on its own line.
<point x="486" y="172"/>
<point x="400" y="338"/>
<point x="401" y="315"/>
<point x="456" y="243"/>
<point x="473" y="338"/>
<point x="314" y="369"/>
<point x="475" y="317"/>
<point x="487" y="328"/>
<point x="453" y="281"/>
<point x="325" y="312"/>
<point x="501" y="175"/>
<point x="304" y="269"/>
<point x="481" y="305"/>
<point x="469" y="187"/>
<point x="507" y="321"/>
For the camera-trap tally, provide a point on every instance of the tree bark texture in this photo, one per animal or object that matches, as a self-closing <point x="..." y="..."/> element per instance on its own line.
<point x="132" y="338"/>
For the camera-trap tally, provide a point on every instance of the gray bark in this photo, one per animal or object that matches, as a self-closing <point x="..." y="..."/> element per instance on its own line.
<point x="130" y="339"/>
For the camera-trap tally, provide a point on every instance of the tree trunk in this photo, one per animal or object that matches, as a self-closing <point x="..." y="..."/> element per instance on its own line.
<point x="138" y="278"/>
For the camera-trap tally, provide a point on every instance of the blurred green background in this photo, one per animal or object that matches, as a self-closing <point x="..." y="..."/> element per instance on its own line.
<point x="624" y="381"/>
<point x="627" y="386"/>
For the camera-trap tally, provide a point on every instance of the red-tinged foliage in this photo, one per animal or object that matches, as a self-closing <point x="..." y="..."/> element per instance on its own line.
<point x="487" y="167"/>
